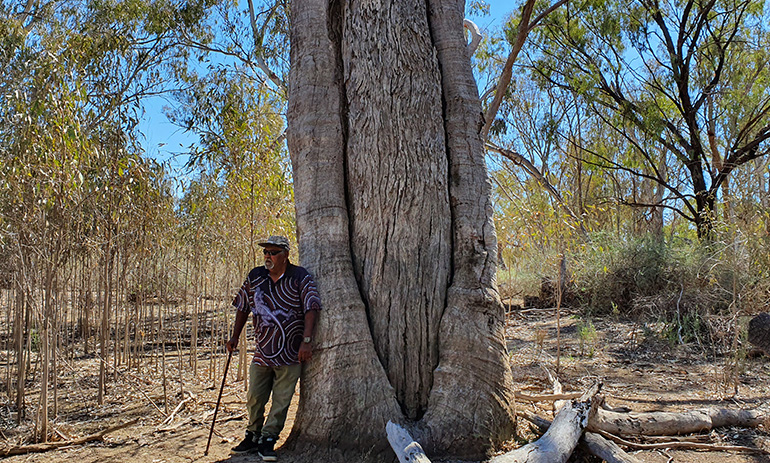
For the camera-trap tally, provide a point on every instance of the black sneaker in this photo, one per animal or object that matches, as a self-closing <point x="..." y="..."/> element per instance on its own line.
<point x="248" y="444"/>
<point x="266" y="449"/>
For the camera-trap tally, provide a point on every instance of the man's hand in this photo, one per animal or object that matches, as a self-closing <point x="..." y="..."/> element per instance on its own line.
<point x="232" y="344"/>
<point x="305" y="352"/>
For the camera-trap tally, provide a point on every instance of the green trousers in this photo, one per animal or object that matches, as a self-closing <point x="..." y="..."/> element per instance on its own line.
<point x="281" y="381"/>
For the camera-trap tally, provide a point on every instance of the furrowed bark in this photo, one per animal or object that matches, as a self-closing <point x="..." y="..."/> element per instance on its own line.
<point x="472" y="388"/>
<point x="345" y="378"/>
<point x="394" y="220"/>
<point x="398" y="199"/>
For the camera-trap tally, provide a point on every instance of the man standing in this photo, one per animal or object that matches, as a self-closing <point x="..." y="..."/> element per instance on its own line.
<point x="285" y="303"/>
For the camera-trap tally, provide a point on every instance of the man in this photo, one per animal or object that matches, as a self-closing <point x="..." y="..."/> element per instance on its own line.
<point x="285" y="304"/>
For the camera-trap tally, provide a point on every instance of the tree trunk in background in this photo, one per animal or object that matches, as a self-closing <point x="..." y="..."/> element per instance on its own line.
<point x="394" y="220"/>
<point x="21" y="306"/>
<point x="104" y="336"/>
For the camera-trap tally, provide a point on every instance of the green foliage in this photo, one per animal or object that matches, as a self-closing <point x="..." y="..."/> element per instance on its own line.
<point x="680" y="281"/>
<point x="477" y="8"/>
<point x="587" y="337"/>
<point x="670" y="93"/>
<point x="684" y="329"/>
<point x="75" y="185"/>
<point x="613" y="273"/>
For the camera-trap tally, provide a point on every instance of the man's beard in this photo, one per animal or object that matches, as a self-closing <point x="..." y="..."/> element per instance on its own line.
<point x="269" y="264"/>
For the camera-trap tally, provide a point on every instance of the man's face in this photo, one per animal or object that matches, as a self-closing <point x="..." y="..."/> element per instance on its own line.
<point x="274" y="256"/>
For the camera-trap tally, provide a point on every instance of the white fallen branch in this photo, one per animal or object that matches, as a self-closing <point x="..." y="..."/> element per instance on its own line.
<point x="407" y="450"/>
<point x="558" y="443"/>
<point x="178" y="408"/>
<point x="597" y="445"/>
<point x="606" y="449"/>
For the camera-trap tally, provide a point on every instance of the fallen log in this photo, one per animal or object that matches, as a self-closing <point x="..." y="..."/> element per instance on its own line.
<point x="597" y="445"/>
<point x="591" y="423"/>
<point x="558" y="443"/>
<point x="44" y="447"/>
<point x="671" y="424"/>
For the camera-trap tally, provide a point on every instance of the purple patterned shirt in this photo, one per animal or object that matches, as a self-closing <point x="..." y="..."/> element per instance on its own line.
<point x="279" y="312"/>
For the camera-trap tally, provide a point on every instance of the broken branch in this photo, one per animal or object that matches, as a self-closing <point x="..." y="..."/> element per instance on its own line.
<point x="557" y="444"/>
<point x="38" y="448"/>
<point x="680" y="445"/>
<point x="407" y="450"/>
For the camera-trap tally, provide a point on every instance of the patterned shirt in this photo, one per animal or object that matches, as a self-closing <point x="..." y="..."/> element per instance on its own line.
<point x="279" y="312"/>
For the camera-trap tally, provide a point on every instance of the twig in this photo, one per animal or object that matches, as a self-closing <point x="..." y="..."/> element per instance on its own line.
<point x="680" y="445"/>
<point x="179" y="407"/>
<point x="136" y="388"/>
<point x="546" y="397"/>
<point x="697" y="438"/>
<point x="61" y="434"/>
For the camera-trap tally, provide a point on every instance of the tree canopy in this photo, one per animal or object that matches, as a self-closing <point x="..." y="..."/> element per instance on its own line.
<point x="682" y="84"/>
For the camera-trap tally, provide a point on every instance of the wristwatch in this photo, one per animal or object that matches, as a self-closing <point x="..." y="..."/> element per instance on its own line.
<point x="307" y="340"/>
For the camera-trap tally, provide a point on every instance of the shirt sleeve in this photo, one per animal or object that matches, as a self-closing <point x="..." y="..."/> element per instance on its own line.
<point x="311" y="300"/>
<point x="241" y="301"/>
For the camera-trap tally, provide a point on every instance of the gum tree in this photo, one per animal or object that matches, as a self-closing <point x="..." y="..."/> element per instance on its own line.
<point x="686" y="80"/>
<point x="394" y="219"/>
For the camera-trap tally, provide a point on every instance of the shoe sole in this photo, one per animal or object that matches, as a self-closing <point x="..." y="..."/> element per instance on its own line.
<point x="239" y="452"/>
<point x="268" y="458"/>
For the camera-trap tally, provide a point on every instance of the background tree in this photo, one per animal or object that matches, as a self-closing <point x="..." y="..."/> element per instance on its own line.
<point x="682" y="80"/>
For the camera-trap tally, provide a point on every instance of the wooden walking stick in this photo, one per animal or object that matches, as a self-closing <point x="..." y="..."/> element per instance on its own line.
<point x="219" y="399"/>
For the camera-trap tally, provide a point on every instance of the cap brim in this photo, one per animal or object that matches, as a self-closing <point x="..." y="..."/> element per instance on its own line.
<point x="273" y="244"/>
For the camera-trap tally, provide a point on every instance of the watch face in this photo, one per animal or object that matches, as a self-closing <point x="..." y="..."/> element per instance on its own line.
<point x="307" y="340"/>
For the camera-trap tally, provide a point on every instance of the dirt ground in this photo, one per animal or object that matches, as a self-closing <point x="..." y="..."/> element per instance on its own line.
<point x="642" y="371"/>
<point x="637" y="368"/>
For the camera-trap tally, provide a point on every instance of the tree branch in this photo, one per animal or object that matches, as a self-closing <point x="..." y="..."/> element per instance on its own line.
<point x="505" y="77"/>
<point x="259" y="59"/>
<point x="475" y="35"/>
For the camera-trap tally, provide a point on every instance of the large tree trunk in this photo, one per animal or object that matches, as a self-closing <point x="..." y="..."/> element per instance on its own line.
<point x="394" y="220"/>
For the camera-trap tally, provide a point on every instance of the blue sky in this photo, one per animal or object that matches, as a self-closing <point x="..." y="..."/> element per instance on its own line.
<point x="163" y="140"/>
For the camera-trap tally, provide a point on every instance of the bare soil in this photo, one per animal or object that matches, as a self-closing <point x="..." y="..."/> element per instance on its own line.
<point x="638" y="369"/>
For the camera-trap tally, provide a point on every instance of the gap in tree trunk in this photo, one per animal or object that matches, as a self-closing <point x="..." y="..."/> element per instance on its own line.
<point x="396" y="163"/>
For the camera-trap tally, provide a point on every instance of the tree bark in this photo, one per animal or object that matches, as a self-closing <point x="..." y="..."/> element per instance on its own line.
<point x="472" y="399"/>
<point x="394" y="221"/>
<point x="345" y="395"/>
<point x="398" y="198"/>
<point x="759" y="332"/>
